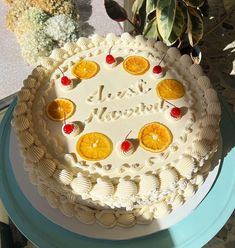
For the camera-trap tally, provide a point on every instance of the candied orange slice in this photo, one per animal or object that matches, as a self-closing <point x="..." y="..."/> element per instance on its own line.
<point x="85" y="69"/>
<point x="155" y="137"/>
<point x="94" y="146"/>
<point x="136" y="65"/>
<point x="60" y="109"/>
<point x="170" y="89"/>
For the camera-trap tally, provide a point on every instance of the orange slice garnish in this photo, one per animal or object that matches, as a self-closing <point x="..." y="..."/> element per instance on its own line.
<point x="136" y="65"/>
<point x="170" y="89"/>
<point x="94" y="146"/>
<point x="60" y="109"/>
<point x="155" y="137"/>
<point x="85" y="69"/>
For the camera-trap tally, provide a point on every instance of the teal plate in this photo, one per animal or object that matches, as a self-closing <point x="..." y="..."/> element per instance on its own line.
<point x="192" y="232"/>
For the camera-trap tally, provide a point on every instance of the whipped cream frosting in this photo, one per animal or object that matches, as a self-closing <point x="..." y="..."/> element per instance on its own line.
<point x="145" y="185"/>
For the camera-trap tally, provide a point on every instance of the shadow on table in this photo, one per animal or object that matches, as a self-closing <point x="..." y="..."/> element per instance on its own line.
<point x="85" y="11"/>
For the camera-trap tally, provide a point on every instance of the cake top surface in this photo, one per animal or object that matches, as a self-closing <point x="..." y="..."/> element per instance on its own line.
<point x="117" y="128"/>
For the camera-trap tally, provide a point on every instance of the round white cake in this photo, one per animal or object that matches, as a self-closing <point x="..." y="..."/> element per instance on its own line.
<point x="117" y="130"/>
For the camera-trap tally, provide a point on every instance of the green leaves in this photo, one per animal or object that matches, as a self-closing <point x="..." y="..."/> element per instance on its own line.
<point x="195" y="26"/>
<point x="137" y="6"/>
<point x="172" y="20"/>
<point x="115" y="11"/>
<point x="150" y="29"/>
<point x="165" y="17"/>
<point x="150" y="6"/>
<point x="178" y="27"/>
<point x="229" y="5"/>
<point x="194" y="3"/>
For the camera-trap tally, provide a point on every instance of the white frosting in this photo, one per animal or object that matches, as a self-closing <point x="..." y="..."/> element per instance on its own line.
<point x="168" y="178"/>
<point x="76" y="130"/>
<point x="24" y="94"/>
<point x="34" y="153"/>
<point x="21" y="123"/>
<point x="63" y="176"/>
<point x="81" y="184"/>
<point x="149" y="184"/>
<point x="26" y="139"/>
<point x="185" y="166"/>
<point x="204" y="83"/>
<point x="102" y="189"/>
<point x="125" y="189"/>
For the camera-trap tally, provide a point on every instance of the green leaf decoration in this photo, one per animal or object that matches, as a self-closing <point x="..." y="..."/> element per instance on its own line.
<point x="150" y="29"/>
<point x="165" y="17"/>
<point x="194" y="3"/>
<point x="137" y="6"/>
<point x="205" y="9"/>
<point x="178" y="27"/>
<point x="150" y="6"/>
<point x="115" y="11"/>
<point x="195" y="26"/>
<point x="229" y="5"/>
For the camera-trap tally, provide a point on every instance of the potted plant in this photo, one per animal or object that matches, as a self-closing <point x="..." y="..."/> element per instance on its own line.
<point x="175" y="22"/>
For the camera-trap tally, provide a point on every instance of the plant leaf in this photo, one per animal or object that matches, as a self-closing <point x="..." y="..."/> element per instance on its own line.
<point x="115" y="11"/>
<point x="194" y="3"/>
<point x="150" y="29"/>
<point x="165" y="17"/>
<point x="205" y="9"/>
<point x="178" y="27"/>
<point x="195" y="26"/>
<point x="229" y="5"/>
<point x="137" y="6"/>
<point x="150" y="6"/>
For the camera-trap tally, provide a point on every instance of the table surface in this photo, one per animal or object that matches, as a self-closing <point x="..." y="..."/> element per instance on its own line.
<point x="191" y="232"/>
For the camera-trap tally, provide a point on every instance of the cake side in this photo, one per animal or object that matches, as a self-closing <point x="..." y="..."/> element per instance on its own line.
<point x="151" y="190"/>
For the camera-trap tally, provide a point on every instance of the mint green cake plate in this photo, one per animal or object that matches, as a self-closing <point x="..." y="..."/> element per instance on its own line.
<point x="192" y="232"/>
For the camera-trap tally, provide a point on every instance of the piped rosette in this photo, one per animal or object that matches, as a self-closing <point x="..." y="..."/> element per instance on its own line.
<point x="71" y="129"/>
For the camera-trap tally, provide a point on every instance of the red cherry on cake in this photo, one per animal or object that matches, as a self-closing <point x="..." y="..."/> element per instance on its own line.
<point x="68" y="128"/>
<point x="65" y="80"/>
<point x="110" y="59"/>
<point x="157" y="69"/>
<point x="126" y="146"/>
<point x="175" y="112"/>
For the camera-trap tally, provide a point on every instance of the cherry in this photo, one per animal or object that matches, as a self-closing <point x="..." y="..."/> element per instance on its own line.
<point x="126" y="146"/>
<point x="65" y="81"/>
<point x="68" y="128"/>
<point x="175" y="112"/>
<point x="110" y="59"/>
<point x="157" y="69"/>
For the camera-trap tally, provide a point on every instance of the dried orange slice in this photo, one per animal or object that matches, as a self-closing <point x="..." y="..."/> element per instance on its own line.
<point x="155" y="137"/>
<point x="85" y="69"/>
<point x="60" y="109"/>
<point x="136" y="65"/>
<point x="94" y="146"/>
<point x="170" y="89"/>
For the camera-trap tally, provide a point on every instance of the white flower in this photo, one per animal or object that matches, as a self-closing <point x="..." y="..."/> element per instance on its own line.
<point x="62" y="29"/>
<point x="34" y="45"/>
<point x="31" y="20"/>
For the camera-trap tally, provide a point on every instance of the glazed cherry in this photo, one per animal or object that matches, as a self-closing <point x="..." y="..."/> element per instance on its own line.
<point x="157" y="69"/>
<point x="110" y="59"/>
<point x="175" y="112"/>
<point x="126" y="146"/>
<point x="68" y="128"/>
<point x="65" y="81"/>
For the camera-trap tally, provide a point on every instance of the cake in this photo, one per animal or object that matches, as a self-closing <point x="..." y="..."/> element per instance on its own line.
<point x="117" y="130"/>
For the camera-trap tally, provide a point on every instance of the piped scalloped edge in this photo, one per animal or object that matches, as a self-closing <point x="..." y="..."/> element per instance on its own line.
<point x="35" y="152"/>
